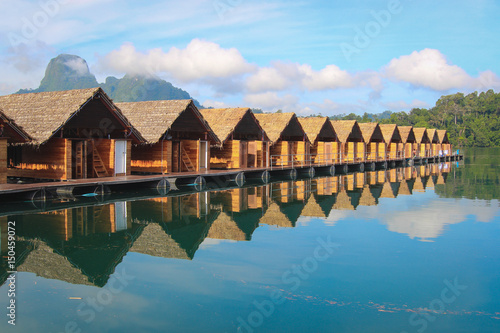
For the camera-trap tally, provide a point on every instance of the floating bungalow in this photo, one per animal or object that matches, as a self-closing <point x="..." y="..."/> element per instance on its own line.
<point x="289" y="142"/>
<point x="408" y="140"/>
<point x="74" y="134"/>
<point x="393" y="141"/>
<point x="351" y="141"/>
<point x="324" y="143"/>
<point x="444" y="143"/>
<point x="242" y="141"/>
<point x="177" y="138"/>
<point x="10" y="135"/>
<point x="434" y="142"/>
<point x="374" y="141"/>
<point x="423" y="142"/>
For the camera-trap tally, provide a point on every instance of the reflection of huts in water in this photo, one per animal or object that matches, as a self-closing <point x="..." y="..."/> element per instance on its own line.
<point x="390" y="190"/>
<point x="343" y="201"/>
<point x="352" y="146"/>
<point x="49" y="264"/>
<point x="290" y="191"/>
<point x="10" y="135"/>
<point x="312" y="208"/>
<point x="408" y="140"/>
<point x="348" y="182"/>
<point x="381" y="176"/>
<point x="224" y="227"/>
<point x="405" y="187"/>
<point x="441" y="179"/>
<point x="177" y="138"/>
<point x="63" y="225"/>
<point x="360" y="178"/>
<point x="289" y="142"/>
<point x="324" y="143"/>
<point x="444" y="142"/>
<point x="75" y="134"/>
<point x="395" y="175"/>
<point x="326" y="185"/>
<point x="274" y="216"/>
<point x="367" y="198"/>
<point x="243" y="142"/>
<point x="410" y="172"/>
<point x="419" y="184"/>
<point x="241" y="199"/>
<point x="374" y="141"/>
<point x="393" y="141"/>
<point x="371" y="177"/>
<point x="423" y="142"/>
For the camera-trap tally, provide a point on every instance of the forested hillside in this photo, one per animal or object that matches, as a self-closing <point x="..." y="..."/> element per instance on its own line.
<point x="471" y="120"/>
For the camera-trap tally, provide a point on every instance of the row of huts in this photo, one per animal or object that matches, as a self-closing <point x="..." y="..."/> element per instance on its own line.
<point x="82" y="133"/>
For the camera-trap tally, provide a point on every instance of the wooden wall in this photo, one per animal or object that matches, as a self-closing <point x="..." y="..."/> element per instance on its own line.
<point x="360" y="152"/>
<point x="392" y="150"/>
<point x="281" y="148"/>
<point x="262" y="153"/>
<point x="192" y="149"/>
<point x="51" y="160"/>
<point x="350" y="152"/>
<point x="371" y="151"/>
<point x="3" y="161"/>
<point x="301" y="150"/>
<point x="149" y="158"/>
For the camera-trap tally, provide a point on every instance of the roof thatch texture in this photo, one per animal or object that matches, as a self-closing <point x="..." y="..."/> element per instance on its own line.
<point x="42" y="114"/>
<point x="12" y="127"/>
<point x="390" y="133"/>
<point x="370" y="131"/>
<point x="421" y="134"/>
<point x="274" y="216"/>
<point x="274" y="124"/>
<point x="343" y="201"/>
<point x="224" y="227"/>
<point x="154" y="241"/>
<point x="433" y="136"/>
<point x="154" y="118"/>
<point x="224" y="121"/>
<point x="314" y="125"/>
<point x="47" y="263"/>
<point x="406" y="133"/>
<point x="343" y="128"/>
<point x="367" y="198"/>
<point x="312" y="208"/>
<point x="443" y="136"/>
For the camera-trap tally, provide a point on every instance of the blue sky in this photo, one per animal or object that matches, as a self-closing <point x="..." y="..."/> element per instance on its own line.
<point x="325" y="57"/>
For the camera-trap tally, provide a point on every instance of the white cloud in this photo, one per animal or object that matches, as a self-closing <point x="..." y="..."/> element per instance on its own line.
<point x="281" y="76"/>
<point x="199" y="60"/>
<point x="271" y="101"/>
<point x="78" y="65"/>
<point x="429" y="68"/>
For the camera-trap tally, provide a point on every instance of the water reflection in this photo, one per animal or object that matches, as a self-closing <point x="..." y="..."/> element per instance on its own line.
<point x="83" y="245"/>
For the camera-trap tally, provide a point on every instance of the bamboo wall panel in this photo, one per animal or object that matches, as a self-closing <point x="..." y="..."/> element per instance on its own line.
<point x="360" y="152"/>
<point x="371" y="151"/>
<point x="301" y="151"/>
<point x="336" y="152"/>
<point x="392" y="150"/>
<point x="351" y="151"/>
<point x="408" y="150"/>
<point x="51" y="160"/>
<point x="381" y="150"/>
<point x="155" y="158"/>
<point x="3" y="161"/>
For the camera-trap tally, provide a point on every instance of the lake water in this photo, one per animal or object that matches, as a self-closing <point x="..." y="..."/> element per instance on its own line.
<point x="407" y="250"/>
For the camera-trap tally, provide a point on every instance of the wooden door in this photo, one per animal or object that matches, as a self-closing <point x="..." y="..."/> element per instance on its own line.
<point x="79" y="159"/>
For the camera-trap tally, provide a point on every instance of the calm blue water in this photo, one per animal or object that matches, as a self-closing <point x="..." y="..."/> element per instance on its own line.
<point x="419" y="254"/>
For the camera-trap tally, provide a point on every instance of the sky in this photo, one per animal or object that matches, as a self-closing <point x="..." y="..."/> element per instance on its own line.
<point x="308" y="57"/>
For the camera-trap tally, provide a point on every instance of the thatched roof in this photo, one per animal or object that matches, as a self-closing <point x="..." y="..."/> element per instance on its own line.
<point x="274" y="216"/>
<point x="312" y="208"/>
<point x="9" y="129"/>
<point x="421" y="135"/>
<point x="443" y="136"/>
<point x="347" y="130"/>
<point x="42" y="114"/>
<point x="318" y="128"/>
<point x="391" y="133"/>
<point x="155" y="242"/>
<point x="407" y="134"/>
<point x="224" y="227"/>
<point x="278" y="125"/>
<point x="433" y="136"/>
<point x="225" y="121"/>
<point x="371" y="132"/>
<point x="154" y="118"/>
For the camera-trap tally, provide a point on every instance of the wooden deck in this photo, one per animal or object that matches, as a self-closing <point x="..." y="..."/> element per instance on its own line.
<point x="210" y="178"/>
